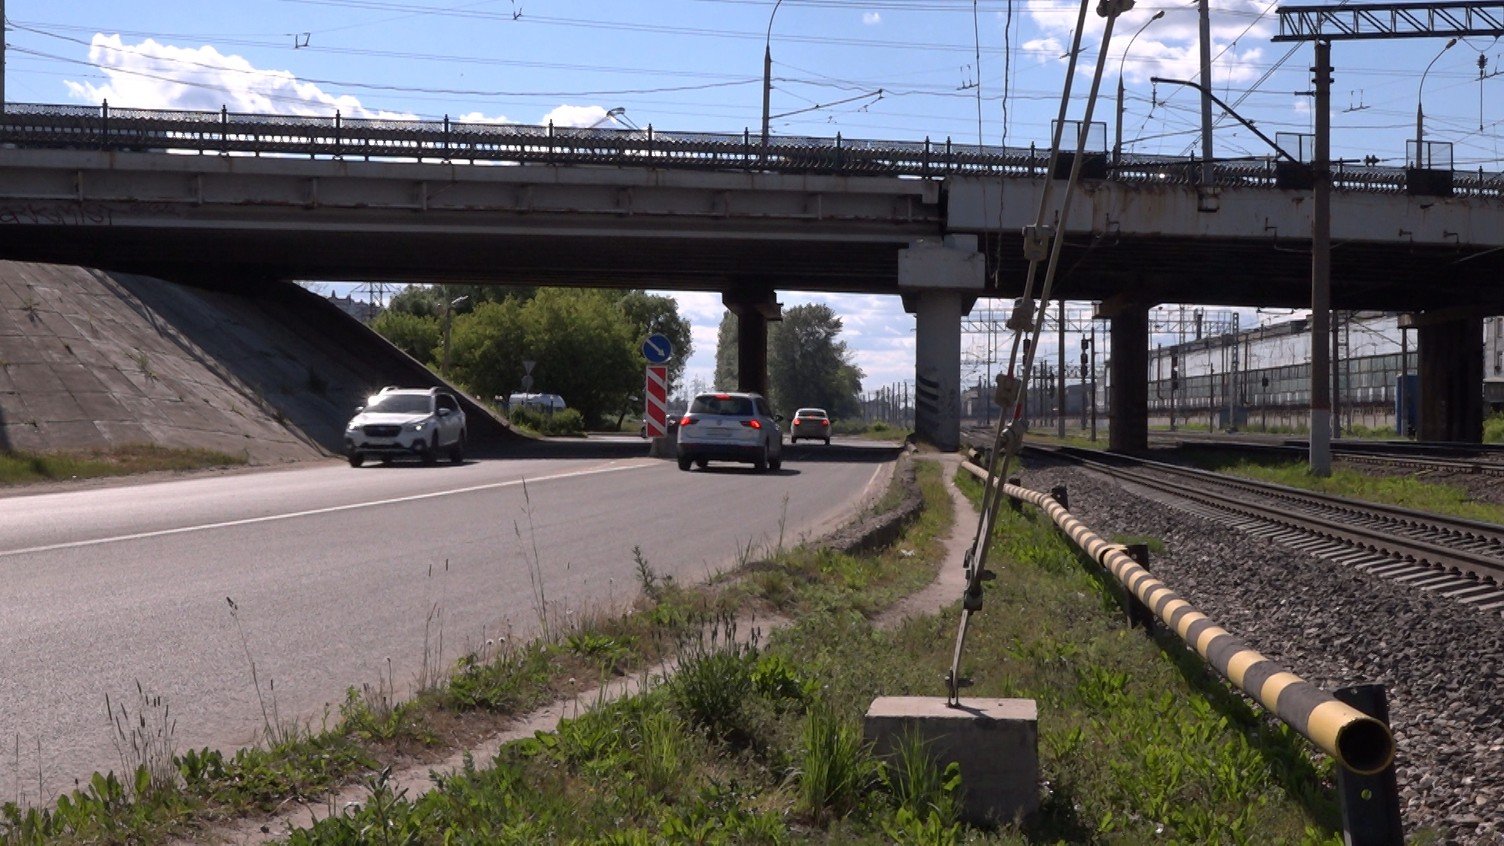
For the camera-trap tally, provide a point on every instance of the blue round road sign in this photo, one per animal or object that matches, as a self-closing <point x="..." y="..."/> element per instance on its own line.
<point x="657" y="348"/>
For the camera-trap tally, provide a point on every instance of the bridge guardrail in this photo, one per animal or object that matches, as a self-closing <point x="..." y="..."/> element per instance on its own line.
<point x="228" y="133"/>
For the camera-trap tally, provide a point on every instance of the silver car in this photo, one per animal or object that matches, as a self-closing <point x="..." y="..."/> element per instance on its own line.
<point x="811" y="424"/>
<point x="730" y="427"/>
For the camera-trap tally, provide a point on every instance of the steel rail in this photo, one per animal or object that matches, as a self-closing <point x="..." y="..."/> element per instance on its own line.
<point x="1357" y="741"/>
<point x="1468" y="546"/>
<point x="39" y="125"/>
<point x="1360" y="455"/>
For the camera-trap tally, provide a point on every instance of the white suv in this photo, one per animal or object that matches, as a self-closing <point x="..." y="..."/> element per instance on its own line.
<point x="419" y="422"/>
<point x="730" y="427"/>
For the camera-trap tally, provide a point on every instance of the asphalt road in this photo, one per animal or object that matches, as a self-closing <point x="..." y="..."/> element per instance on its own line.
<point x="343" y="577"/>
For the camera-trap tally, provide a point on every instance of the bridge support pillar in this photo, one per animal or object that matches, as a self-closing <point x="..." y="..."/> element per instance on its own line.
<point x="1128" y="392"/>
<point x="939" y="281"/>
<point x="754" y="309"/>
<point x="1451" y="376"/>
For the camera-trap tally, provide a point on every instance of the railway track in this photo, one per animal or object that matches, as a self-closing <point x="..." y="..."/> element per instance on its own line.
<point x="1466" y="459"/>
<point x="1462" y="560"/>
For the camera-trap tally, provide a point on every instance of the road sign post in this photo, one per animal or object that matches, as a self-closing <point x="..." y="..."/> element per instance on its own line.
<point x="656" y="392"/>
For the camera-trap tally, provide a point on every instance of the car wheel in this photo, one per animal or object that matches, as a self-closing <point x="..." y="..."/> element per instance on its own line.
<point x="701" y="463"/>
<point x="827" y="441"/>
<point x="761" y="464"/>
<point x="684" y="463"/>
<point x="793" y="440"/>
<point x="356" y="459"/>
<point x="457" y="451"/>
<point x="431" y="452"/>
<point x="775" y="463"/>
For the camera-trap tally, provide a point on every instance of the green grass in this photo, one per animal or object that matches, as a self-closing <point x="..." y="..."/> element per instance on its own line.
<point x="20" y="468"/>
<point x="756" y="738"/>
<point x="1403" y="491"/>
<point x="1493" y="429"/>
<point x="759" y="743"/>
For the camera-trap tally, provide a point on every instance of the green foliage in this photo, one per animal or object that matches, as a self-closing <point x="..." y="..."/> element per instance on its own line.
<point x="807" y="363"/>
<point x="416" y="335"/>
<point x="713" y="691"/>
<point x="1493" y="429"/>
<point x="512" y="680"/>
<point x="18" y="468"/>
<point x="584" y="344"/>
<point x="650" y="313"/>
<point x="558" y="424"/>
<point x="809" y="366"/>
<point x="836" y="766"/>
<point x="726" y="362"/>
<point x="1405" y="491"/>
<point x="1142" y="744"/>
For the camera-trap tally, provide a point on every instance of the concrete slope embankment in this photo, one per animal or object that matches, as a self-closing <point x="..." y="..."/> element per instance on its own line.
<point x="90" y="359"/>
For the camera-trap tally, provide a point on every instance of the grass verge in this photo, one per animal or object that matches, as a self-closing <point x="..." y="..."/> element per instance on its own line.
<point x="20" y="468"/>
<point x="757" y="740"/>
<point x="1403" y="491"/>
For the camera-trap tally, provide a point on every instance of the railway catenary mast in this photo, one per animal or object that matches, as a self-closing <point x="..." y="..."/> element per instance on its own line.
<point x="1323" y="25"/>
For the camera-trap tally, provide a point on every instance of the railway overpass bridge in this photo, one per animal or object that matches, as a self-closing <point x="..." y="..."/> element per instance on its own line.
<point x="221" y="199"/>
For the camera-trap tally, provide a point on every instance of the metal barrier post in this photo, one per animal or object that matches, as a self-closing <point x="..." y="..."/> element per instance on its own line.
<point x="1059" y="494"/>
<point x="1370" y="803"/>
<point x="1014" y="502"/>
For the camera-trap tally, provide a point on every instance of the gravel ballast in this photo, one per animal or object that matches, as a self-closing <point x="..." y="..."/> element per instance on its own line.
<point x="1439" y="661"/>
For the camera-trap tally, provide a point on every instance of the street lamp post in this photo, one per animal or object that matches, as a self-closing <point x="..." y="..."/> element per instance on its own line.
<point x="1420" y="115"/>
<point x="767" y="75"/>
<point x="449" y="306"/>
<point x="1117" y="147"/>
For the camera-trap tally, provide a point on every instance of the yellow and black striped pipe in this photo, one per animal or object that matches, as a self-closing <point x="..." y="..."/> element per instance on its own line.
<point x="1358" y="741"/>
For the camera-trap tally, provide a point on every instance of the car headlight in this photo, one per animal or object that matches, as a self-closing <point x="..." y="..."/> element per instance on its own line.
<point x="417" y="427"/>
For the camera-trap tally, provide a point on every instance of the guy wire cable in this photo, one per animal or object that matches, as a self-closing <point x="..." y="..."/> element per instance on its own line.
<point x="1011" y="389"/>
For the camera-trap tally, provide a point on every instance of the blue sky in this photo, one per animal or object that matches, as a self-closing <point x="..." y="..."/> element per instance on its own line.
<point x="970" y="70"/>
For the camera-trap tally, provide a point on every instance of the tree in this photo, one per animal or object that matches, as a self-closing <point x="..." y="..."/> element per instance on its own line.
<point x="727" y="375"/>
<point x="809" y="366"/>
<point x="651" y="313"/>
<point x="418" y="301"/>
<point x="583" y="345"/>
<point x="414" y="335"/>
<point x="487" y="348"/>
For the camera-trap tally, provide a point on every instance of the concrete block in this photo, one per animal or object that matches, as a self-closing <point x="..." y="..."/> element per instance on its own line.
<point x="994" y="741"/>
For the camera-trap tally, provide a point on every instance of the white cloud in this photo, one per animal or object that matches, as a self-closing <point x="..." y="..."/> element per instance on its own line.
<point x="151" y="75"/>
<point x="1167" y="47"/>
<point x="871" y="18"/>
<point x="577" y="116"/>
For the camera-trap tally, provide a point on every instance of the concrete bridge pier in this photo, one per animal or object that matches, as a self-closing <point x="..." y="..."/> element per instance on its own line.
<point x="754" y="309"/>
<point x="939" y="281"/>
<point x="1451" y="373"/>
<point x="1128" y="429"/>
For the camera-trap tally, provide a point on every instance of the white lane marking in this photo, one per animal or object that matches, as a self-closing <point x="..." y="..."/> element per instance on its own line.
<point x="314" y="511"/>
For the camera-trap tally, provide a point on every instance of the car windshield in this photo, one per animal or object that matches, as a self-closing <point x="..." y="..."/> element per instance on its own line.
<point x="722" y="404"/>
<point x="399" y="404"/>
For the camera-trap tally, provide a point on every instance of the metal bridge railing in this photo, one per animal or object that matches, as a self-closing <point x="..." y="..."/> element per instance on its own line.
<point x="34" y="125"/>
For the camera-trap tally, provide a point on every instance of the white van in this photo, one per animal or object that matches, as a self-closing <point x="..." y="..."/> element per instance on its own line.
<point x="546" y="403"/>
